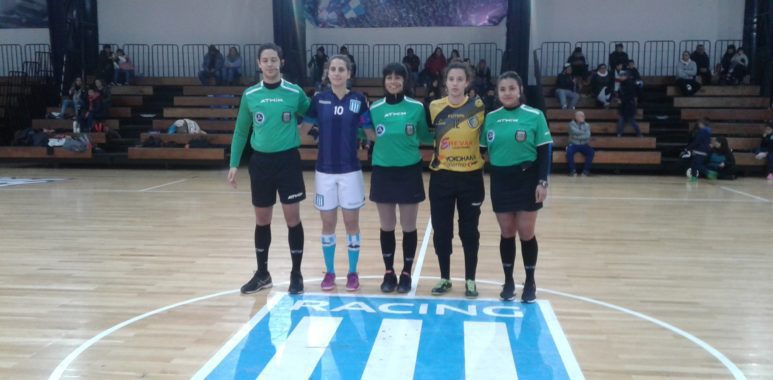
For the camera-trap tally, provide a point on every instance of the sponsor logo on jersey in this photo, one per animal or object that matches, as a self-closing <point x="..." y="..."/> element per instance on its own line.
<point x="286" y="117"/>
<point x="490" y="136"/>
<point x="325" y="102"/>
<point x="294" y="196"/>
<point x="445" y="144"/>
<point x="410" y="130"/>
<point x="272" y="100"/>
<point x="354" y="105"/>
<point x="393" y="114"/>
<point x="259" y="118"/>
<point x="507" y="121"/>
<point x="520" y="135"/>
<point x="470" y="157"/>
<point x="380" y="129"/>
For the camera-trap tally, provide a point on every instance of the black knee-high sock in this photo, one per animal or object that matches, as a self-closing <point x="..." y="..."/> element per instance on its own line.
<point x="388" y="249"/>
<point x="507" y="254"/>
<point x="529" y="248"/>
<point x="295" y="239"/>
<point x="262" y="242"/>
<point x="470" y="263"/>
<point x="409" y="250"/>
<point x="444" y="261"/>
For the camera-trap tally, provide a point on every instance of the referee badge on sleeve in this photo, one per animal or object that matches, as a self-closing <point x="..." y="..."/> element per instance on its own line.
<point x="286" y="117"/>
<point x="490" y="135"/>
<point x="520" y="135"/>
<point x="409" y="130"/>
<point x="259" y="118"/>
<point x="380" y="129"/>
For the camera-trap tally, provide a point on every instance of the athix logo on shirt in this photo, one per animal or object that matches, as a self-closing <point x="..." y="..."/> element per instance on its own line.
<point x="393" y="114"/>
<point x="507" y="121"/>
<point x="272" y="100"/>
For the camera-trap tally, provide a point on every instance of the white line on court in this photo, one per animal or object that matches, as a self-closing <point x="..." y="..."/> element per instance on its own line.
<point x="166" y="184"/>
<point x="734" y="370"/>
<point x="744" y="193"/>
<point x="297" y="356"/>
<point x="487" y="353"/>
<point x="395" y="350"/>
<point x="420" y="260"/>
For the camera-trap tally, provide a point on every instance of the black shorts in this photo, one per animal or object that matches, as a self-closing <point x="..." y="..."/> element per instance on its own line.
<point x="276" y="172"/>
<point x="513" y="188"/>
<point x="401" y="184"/>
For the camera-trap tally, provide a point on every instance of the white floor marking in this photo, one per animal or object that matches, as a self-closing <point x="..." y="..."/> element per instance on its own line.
<point x="160" y="186"/>
<point x="744" y="193"/>
<point x="562" y="344"/>
<point x="420" y="259"/>
<point x="395" y="351"/>
<point x="731" y="367"/>
<point x="487" y="351"/>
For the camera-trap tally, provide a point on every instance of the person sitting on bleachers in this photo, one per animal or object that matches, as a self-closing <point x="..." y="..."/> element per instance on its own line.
<point x="412" y="63"/>
<point x="317" y="66"/>
<point x="566" y="89"/>
<point x="93" y="113"/>
<point x="455" y="56"/>
<point x="232" y="67"/>
<point x="701" y="60"/>
<point x="698" y="149"/>
<point x="579" y="138"/>
<point x="212" y="66"/>
<point x="106" y="66"/>
<point x="345" y="51"/>
<point x="105" y="94"/>
<point x="617" y="78"/>
<point x="627" y="108"/>
<point x="123" y="65"/>
<point x="724" y="65"/>
<point x="619" y="56"/>
<point x="482" y="81"/>
<point x="600" y="84"/>
<point x="434" y="66"/>
<point x="686" y="70"/>
<point x="634" y="73"/>
<point x="721" y="161"/>
<point x="579" y="67"/>
<point x="74" y="99"/>
<point x="765" y="150"/>
<point x="739" y="67"/>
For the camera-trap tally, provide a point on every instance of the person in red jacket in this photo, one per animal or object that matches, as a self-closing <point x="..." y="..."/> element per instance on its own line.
<point x="435" y="65"/>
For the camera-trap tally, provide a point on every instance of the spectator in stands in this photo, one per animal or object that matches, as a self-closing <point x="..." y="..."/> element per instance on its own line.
<point x="435" y="65"/>
<point x="701" y="60"/>
<point x="579" y="67"/>
<point x="455" y="56"/>
<point x="317" y="66"/>
<point x="765" y="150"/>
<point x="212" y="66"/>
<point x="105" y="94"/>
<point x="723" y="68"/>
<point x="579" y="138"/>
<point x="345" y="51"/>
<point x="721" y="161"/>
<point x="566" y="90"/>
<point x="627" y="108"/>
<point x="482" y="81"/>
<point x="94" y="112"/>
<point x="634" y="73"/>
<point x="686" y="70"/>
<point x="618" y="56"/>
<point x="434" y="92"/>
<point x="617" y="70"/>
<point x="74" y="99"/>
<point x="123" y="65"/>
<point x="600" y="84"/>
<point x="232" y="67"/>
<point x="412" y="63"/>
<point x="698" y="149"/>
<point x="739" y="67"/>
<point x="106" y="65"/>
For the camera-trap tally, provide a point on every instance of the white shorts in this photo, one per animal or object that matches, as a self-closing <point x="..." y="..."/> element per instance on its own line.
<point x="345" y="190"/>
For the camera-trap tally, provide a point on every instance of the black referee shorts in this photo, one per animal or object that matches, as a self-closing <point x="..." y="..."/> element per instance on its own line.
<point x="513" y="188"/>
<point x="276" y="172"/>
<point x="397" y="185"/>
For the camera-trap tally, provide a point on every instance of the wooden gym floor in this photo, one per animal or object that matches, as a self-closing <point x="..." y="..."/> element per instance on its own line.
<point x="650" y="277"/>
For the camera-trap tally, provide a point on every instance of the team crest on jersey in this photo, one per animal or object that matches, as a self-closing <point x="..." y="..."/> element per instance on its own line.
<point x="410" y="130"/>
<point x="259" y="118"/>
<point x="380" y="129"/>
<point x="472" y="122"/>
<point x="354" y="105"/>
<point x="490" y="136"/>
<point x="520" y="135"/>
<point x="286" y="117"/>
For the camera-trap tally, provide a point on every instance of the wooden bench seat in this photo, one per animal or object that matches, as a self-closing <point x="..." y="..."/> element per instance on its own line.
<point x="746" y="159"/>
<point x="213" y="90"/>
<point x="718" y="91"/>
<point x="727" y="114"/>
<point x="613" y="157"/>
<point x="743" y="144"/>
<point x="184" y="138"/>
<point x="36" y="152"/>
<point x="131" y="90"/>
<point x="590" y="114"/>
<point x="607" y="142"/>
<point x="197" y="154"/>
<point x="205" y="101"/>
<point x="200" y="113"/>
<point x="367" y="82"/>
<point x="206" y="125"/>
<point x="738" y="129"/>
<point x="127" y="100"/>
<point x="721" y="102"/>
<point x="648" y="81"/>
<point x="113" y="112"/>
<point x="182" y="81"/>
<point x="66" y="125"/>
<point x="596" y="128"/>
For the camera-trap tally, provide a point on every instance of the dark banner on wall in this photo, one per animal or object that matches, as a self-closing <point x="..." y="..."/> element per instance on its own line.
<point x="23" y="14"/>
<point x="404" y="13"/>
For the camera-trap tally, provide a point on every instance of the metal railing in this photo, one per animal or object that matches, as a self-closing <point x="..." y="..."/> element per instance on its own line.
<point x="488" y="52"/>
<point x="595" y="52"/>
<point x="553" y="55"/>
<point x="659" y="58"/>
<point x="633" y="48"/>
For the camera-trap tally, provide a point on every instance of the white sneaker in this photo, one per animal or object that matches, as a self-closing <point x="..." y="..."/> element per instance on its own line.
<point x="689" y="173"/>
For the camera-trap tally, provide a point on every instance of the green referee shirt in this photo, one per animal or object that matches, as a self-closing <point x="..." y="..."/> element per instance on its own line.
<point x="512" y="136"/>
<point x="400" y="128"/>
<point x="269" y="110"/>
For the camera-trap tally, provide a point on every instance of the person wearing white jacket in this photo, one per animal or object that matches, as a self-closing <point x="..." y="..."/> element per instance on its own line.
<point x="686" y="70"/>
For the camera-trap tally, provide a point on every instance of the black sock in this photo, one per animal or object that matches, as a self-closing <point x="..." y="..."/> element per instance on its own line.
<point x="444" y="261"/>
<point x="507" y="254"/>
<point x="529" y="248"/>
<point x="262" y="242"/>
<point x="295" y="239"/>
<point x="388" y="249"/>
<point x="470" y="263"/>
<point x="409" y="250"/>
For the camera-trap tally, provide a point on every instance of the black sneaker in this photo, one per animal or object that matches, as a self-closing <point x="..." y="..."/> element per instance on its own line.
<point x="404" y="286"/>
<point x="296" y="283"/>
<point x="442" y="287"/>
<point x="390" y="282"/>
<point x="508" y="291"/>
<point x="470" y="289"/>
<point x="257" y="282"/>
<point x="529" y="294"/>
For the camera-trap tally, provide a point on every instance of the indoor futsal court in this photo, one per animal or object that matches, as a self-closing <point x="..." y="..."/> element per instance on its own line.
<point x="135" y="273"/>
